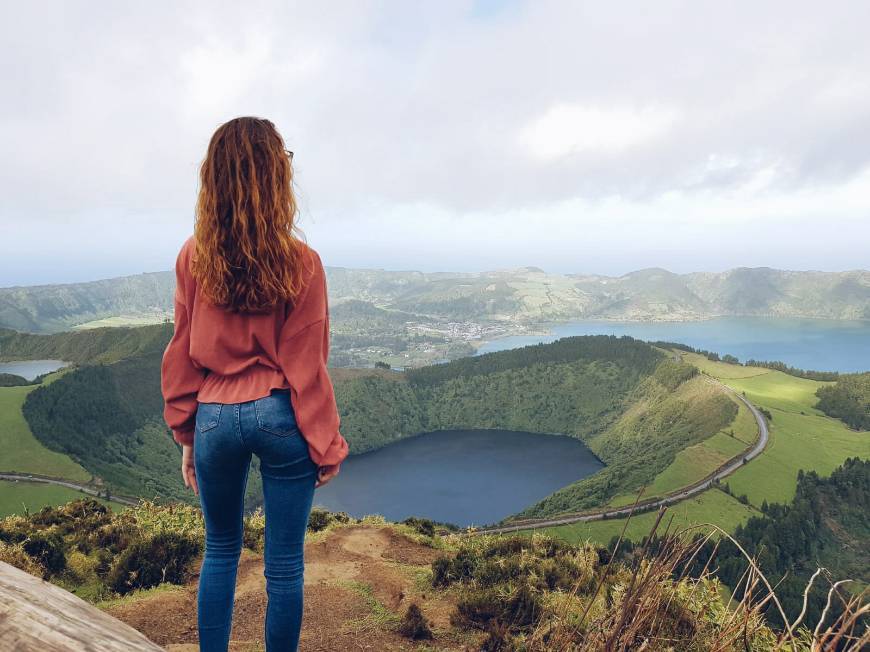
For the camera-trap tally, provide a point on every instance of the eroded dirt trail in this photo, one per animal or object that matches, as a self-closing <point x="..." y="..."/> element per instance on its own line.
<point x="357" y="580"/>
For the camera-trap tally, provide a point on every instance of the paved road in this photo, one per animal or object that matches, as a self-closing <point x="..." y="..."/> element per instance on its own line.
<point x="670" y="499"/>
<point x="26" y="477"/>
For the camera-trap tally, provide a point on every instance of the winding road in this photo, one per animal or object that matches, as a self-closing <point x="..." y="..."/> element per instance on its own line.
<point x="29" y="477"/>
<point x="686" y="492"/>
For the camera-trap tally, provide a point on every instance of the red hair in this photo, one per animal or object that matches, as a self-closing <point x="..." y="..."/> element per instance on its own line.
<point x="248" y="256"/>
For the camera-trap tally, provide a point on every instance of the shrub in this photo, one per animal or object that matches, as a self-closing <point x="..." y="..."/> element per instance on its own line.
<point x="81" y="566"/>
<point x="424" y="526"/>
<point x="161" y="558"/>
<point x="483" y="609"/>
<point x="254" y="532"/>
<point x="414" y="625"/>
<point x="48" y="551"/>
<point x="14" y="555"/>
<point x="441" y="571"/>
<point x="320" y="519"/>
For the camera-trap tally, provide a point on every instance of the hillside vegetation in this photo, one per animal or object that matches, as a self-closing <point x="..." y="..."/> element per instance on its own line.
<point x="108" y="419"/>
<point x="667" y="415"/>
<point x="89" y="346"/>
<point x="410" y="586"/>
<point x="848" y="400"/>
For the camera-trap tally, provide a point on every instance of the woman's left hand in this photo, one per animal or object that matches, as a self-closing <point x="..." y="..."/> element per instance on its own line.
<point x="325" y="474"/>
<point x="188" y="471"/>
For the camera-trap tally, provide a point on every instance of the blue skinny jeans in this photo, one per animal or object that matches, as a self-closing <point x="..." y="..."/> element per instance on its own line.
<point x="226" y="435"/>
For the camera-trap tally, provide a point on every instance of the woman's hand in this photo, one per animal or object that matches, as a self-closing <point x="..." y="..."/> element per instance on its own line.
<point x="325" y="474"/>
<point x="188" y="471"/>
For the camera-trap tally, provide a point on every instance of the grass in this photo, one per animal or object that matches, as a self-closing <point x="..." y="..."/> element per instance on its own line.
<point x="379" y="617"/>
<point x="123" y="320"/>
<point x="15" y="496"/>
<point x="801" y="437"/>
<point x="712" y="506"/>
<point x="698" y="461"/>
<point x="22" y="452"/>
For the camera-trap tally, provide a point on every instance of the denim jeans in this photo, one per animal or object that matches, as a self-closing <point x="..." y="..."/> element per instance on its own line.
<point x="226" y="435"/>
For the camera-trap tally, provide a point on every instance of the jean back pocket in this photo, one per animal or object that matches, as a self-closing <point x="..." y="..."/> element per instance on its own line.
<point x="275" y="414"/>
<point x="208" y="416"/>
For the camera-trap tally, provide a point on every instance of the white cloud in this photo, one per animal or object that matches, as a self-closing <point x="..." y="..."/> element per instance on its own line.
<point x="566" y="129"/>
<point x="545" y="134"/>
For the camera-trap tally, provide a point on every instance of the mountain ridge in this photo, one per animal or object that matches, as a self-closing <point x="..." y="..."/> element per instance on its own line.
<point x="518" y="295"/>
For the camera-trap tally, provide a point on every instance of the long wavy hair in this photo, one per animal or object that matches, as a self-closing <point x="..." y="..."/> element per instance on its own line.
<point x="248" y="255"/>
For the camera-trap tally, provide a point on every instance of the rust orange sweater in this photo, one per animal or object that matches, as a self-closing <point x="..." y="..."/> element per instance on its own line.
<point x="216" y="356"/>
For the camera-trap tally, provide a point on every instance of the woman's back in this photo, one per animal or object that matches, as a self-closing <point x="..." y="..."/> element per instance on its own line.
<point x="231" y="357"/>
<point x="245" y="374"/>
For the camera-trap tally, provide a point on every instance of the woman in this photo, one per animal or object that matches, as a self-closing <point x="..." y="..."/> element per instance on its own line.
<point x="245" y="372"/>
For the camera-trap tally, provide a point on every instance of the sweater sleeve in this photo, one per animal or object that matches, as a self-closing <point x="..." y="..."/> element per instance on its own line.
<point x="180" y="377"/>
<point x="303" y="352"/>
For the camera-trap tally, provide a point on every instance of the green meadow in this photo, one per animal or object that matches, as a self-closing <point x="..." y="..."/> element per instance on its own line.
<point x="712" y="506"/>
<point x="21" y="451"/>
<point x="700" y="460"/>
<point x="801" y="438"/>
<point x="18" y="497"/>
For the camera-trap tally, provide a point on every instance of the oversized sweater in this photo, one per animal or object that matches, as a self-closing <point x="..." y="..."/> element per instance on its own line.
<point x="217" y="356"/>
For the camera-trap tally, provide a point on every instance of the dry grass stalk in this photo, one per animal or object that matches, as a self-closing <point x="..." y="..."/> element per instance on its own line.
<point x="649" y="612"/>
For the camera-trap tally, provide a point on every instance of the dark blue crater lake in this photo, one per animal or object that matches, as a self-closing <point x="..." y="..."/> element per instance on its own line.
<point x="820" y="344"/>
<point x="465" y="477"/>
<point x="30" y="369"/>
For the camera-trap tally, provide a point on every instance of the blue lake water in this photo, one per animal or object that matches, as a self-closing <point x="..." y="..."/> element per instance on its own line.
<point x="465" y="477"/>
<point x="820" y="344"/>
<point x="30" y="369"/>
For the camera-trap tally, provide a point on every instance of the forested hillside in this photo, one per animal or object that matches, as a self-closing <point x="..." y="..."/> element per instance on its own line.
<point x="107" y="417"/>
<point x="848" y="400"/>
<point x="51" y="308"/>
<point x="89" y="346"/>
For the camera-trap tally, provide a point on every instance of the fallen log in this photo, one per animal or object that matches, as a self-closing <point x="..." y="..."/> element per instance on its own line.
<point x="37" y="615"/>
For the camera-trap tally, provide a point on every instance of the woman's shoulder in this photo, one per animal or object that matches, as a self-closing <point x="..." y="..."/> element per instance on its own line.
<point x="311" y="261"/>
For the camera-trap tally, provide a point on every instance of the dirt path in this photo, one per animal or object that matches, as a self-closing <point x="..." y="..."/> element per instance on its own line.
<point x="357" y="581"/>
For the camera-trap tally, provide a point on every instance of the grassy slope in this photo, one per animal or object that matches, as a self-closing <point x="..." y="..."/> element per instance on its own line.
<point x="698" y="461"/>
<point x="712" y="506"/>
<point x="16" y="496"/>
<point x="662" y="421"/>
<point x="22" y="452"/>
<point x="801" y="437"/>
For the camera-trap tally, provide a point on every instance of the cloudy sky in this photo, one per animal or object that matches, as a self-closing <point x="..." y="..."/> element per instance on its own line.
<point x="468" y="135"/>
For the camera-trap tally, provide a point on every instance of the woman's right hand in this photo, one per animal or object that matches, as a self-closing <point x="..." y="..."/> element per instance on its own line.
<point x="325" y="474"/>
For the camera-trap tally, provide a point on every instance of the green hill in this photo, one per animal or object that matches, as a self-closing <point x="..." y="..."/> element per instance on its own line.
<point x="89" y="346"/>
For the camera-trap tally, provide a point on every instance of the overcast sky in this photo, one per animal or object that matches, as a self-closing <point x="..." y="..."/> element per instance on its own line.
<point x="574" y="136"/>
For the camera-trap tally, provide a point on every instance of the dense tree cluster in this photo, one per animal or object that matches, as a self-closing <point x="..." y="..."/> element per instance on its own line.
<point x="12" y="380"/>
<point x="623" y="351"/>
<point x="848" y="399"/>
<point x="827" y="524"/>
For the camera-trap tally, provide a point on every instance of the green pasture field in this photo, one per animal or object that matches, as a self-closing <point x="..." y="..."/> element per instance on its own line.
<point x="16" y="496"/>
